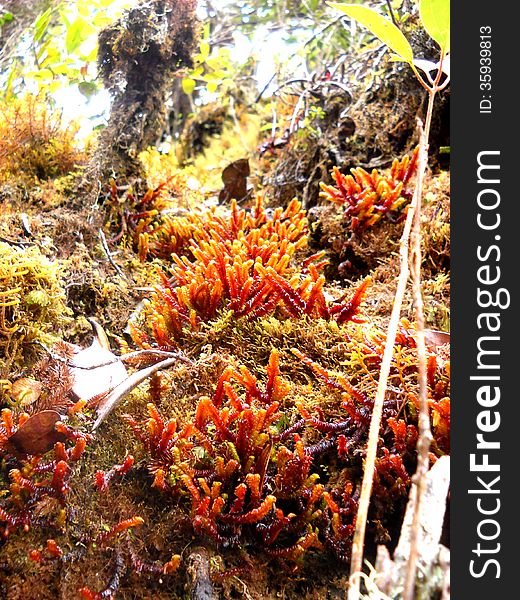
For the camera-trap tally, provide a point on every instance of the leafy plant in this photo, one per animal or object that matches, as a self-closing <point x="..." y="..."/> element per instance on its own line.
<point x="32" y="303"/>
<point x="245" y="264"/>
<point x="35" y="143"/>
<point x="368" y="197"/>
<point x="213" y="70"/>
<point x="251" y="464"/>
<point x="60" y="47"/>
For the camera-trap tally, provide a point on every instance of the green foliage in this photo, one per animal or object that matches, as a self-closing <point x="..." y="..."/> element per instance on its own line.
<point x="386" y="31"/>
<point x="6" y="17"/>
<point x="214" y="69"/>
<point x="435" y="17"/>
<point x="60" y="47"/>
<point x="35" y="145"/>
<point x="32" y="302"/>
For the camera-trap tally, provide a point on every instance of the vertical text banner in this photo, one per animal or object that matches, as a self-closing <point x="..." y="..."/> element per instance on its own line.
<point x="485" y="329"/>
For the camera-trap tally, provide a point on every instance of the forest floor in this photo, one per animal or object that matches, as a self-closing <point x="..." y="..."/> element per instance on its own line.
<point x="71" y="258"/>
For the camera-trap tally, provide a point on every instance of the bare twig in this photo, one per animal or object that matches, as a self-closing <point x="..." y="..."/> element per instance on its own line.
<point x="124" y="388"/>
<point x="130" y="357"/>
<point x="375" y="423"/>
<point x="425" y="436"/>
<point x="391" y="11"/>
<point x="321" y="31"/>
<point x="264" y="89"/>
<point x="109" y="255"/>
<point x="413" y="218"/>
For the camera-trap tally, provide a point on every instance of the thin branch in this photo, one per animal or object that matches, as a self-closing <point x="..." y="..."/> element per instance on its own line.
<point x="392" y="16"/>
<point x="413" y="219"/>
<point x="264" y="89"/>
<point x="124" y="388"/>
<point x="109" y="255"/>
<point x="130" y="357"/>
<point x="375" y="423"/>
<point x="320" y="32"/>
<point x="425" y="436"/>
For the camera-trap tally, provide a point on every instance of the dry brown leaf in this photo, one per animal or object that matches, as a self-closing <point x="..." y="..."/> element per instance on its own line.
<point x="38" y="434"/>
<point x="25" y="391"/>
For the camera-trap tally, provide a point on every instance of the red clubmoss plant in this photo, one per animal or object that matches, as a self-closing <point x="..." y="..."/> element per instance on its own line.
<point x="103" y="479"/>
<point x="163" y="235"/>
<point x="397" y="452"/>
<point x="239" y="484"/>
<point x="287" y="480"/>
<point x="403" y="374"/>
<point x="35" y="481"/>
<point x="38" y="450"/>
<point x="103" y="537"/>
<point x="368" y="197"/>
<point x="52" y="551"/>
<point x="156" y="226"/>
<point x="244" y="263"/>
<point x="251" y="480"/>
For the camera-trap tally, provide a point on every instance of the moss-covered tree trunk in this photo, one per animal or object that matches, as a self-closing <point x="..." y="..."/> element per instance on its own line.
<point x="138" y="56"/>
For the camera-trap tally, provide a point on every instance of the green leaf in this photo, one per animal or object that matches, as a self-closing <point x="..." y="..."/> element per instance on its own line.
<point x="91" y="56"/>
<point x="188" y="85"/>
<point x="41" y="24"/>
<point x="385" y="30"/>
<point x="100" y="20"/>
<point x="204" y="50"/>
<point x="77" y="33"/>
<point x="88" y="89"/>
<point x="42" y="50"/>
<point x="43" y="75"/>
<point x="53" y="86"/>
<point x="435" y="17"/>
<point x="212" y="86"/>
<point x="84" y="10"/>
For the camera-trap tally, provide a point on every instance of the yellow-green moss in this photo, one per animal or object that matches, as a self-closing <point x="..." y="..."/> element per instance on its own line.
<point x="32" y="303"/>
<point x="35" y="144"/>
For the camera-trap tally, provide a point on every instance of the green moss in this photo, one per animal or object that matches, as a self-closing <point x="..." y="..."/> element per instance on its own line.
<point x="32" y="304"/>
<point x="35" y="143"/>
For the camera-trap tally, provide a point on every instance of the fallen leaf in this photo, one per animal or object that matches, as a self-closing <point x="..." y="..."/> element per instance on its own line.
<point x="91" y="373"/>
<point x="25" y="391"/>
<point x="96" y="370"/>
<point x="234" y="177"/>
<point x="38" y="434"/>
<point x="436" y="338"/>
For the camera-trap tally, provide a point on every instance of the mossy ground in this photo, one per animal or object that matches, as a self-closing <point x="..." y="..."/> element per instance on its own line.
<point x="64" y="238"/>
